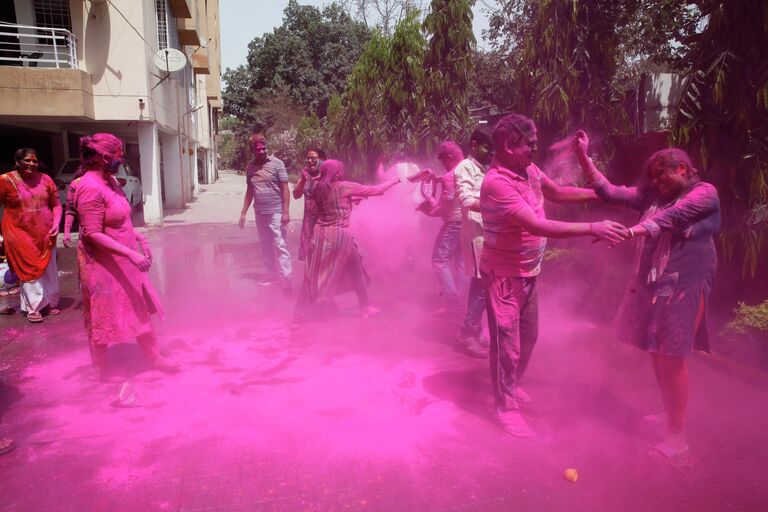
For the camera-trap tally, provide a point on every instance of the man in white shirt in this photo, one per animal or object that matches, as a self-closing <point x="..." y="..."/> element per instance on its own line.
<point x="469" y="176"/>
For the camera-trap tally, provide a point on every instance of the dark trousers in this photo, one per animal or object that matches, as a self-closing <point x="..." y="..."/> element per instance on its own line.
<point x="513" y="322"/>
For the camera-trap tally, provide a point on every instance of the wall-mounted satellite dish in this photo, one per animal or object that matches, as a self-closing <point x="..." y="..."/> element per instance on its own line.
<point x="170" y="60"/>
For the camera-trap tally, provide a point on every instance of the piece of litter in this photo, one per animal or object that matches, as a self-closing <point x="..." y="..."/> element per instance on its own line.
<point x="571" y="475"/>
<point x="126" y="397"/>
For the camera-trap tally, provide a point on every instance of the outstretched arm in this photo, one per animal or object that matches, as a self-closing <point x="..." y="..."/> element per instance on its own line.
<point x="605" y="230"/>
<point x="353" y="189"/>
<point x="697" y="204"/>
<point x="554" y="192"/>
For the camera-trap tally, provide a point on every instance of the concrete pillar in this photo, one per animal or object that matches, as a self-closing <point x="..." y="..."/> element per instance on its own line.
<point x="172" y="171"/>
<point x="151" y="183"/>
<point x="186" y="179"/>
<point x="213" y="166"/>
<point x="195" y="171"/>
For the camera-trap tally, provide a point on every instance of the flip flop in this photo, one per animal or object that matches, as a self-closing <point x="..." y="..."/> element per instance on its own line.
<point x="54" y="311"/>
<point x="668" y="451"/>
<point x="34" y="318"/>
<point x="7" y="310"/>
<point x="6" y="445"/>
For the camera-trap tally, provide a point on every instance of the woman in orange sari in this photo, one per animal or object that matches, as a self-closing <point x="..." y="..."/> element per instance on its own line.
<point x="30" y="226"/>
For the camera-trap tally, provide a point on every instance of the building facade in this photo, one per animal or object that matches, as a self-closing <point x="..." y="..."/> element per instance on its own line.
<point x="74" y="67"/>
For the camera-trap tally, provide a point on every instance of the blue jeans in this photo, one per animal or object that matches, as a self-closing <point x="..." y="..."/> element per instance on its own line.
<point x="475" y="308"/>
<point x="445" y="254"/>
<point x="277" y="259"/>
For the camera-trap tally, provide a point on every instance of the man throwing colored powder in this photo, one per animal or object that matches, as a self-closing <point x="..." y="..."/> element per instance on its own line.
<point x="514" y="230"/>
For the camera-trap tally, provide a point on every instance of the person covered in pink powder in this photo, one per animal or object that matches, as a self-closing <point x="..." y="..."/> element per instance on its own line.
<point x="70" y="214"/>
<point x="664" y="309"/>
<point x="118" y="298"/>
<point x="30" y="227"/>
<point x="515" y="228"/>
<point x="469" y="177"/>
<point x="305" y="187"/>
<point x="447" y="262"/>
<point x="333" y="262"/>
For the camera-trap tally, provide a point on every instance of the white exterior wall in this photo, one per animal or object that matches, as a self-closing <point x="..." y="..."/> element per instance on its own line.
<point x="116" y="43"/>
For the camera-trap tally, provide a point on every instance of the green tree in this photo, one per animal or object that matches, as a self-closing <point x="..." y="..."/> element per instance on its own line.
<point x="381" y="110"/>
<point x="381" y="14"/>
<point x="449" y="72"/>
<point x="360" y="126"/>
<point x="292" y="72"/>
<point x="568" y="63"/>
<point x="566" y="57"/>
<point x="404" y="85"/>
<point x="724" y="115"/>
<point x="309" y="56"/>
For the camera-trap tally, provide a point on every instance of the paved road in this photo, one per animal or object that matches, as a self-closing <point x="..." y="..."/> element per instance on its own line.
<point x="348" y="414"/>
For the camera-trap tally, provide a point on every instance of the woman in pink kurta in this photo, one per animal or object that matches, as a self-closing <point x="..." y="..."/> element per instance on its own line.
<point x="118" y="298"/>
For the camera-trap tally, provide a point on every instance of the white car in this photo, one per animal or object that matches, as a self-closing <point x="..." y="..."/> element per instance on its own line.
<point x="126" y="177"/>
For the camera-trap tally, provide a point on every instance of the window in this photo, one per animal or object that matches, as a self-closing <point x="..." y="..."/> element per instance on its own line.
<point x="52" y="14"/>
<point x="167" y="33"/>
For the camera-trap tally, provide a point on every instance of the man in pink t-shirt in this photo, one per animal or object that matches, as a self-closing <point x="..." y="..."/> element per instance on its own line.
<point x="515" y="228"/>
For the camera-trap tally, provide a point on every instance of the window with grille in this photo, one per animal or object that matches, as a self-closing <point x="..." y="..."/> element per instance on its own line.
<point x="167" y="34"/>
<point x="52" y="14"/>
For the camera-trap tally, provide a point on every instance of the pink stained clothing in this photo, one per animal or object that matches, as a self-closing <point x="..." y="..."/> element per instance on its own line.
<point x="509" y="250"/>
<point x="452" y="212"/>
<point x="469" y="178"/>
<point x="118" y="298"/>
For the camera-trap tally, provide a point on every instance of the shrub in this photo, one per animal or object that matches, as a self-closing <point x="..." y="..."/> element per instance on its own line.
<point x="748" y="319"/>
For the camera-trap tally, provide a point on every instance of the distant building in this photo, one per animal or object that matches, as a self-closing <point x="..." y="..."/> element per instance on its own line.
<point x="73" y="67"/>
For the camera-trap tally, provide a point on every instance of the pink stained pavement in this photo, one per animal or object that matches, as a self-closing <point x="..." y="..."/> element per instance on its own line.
<point x="346" y="414"/>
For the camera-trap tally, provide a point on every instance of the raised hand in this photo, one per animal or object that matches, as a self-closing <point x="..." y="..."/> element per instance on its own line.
<point x="581" y="142"/>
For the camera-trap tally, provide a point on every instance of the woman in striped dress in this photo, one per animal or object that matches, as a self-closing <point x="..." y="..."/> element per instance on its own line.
<point x="333" y="263"/>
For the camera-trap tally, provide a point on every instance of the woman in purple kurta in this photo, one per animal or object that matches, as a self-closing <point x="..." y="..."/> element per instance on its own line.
<point x="664" y="310"/>
<point x="118" y="298"/>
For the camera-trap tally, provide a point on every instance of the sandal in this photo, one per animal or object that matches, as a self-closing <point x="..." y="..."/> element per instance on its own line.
<point x="35" y="317"/>
<point x="54" y="311"/>
<point x="7" y="310"/>
<point x="6" y="445"/>
<point x="668" y="451"/>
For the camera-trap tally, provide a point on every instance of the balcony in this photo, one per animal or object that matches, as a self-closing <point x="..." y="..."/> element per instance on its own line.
<point x="37" y="47"/>
<point x="200" y="64"/>
<point x="50" y="94"/>
<point x="180" y="8"/>
<point x="188" y="34"/>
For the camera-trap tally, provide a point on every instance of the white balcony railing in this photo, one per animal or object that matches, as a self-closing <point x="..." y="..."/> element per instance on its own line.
<point x="25" y="45"/>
